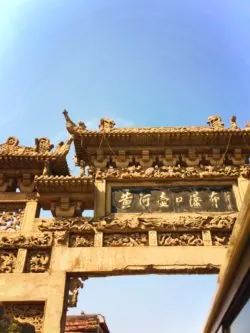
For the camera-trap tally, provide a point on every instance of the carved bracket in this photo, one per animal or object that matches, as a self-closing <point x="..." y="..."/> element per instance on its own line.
<point x="75" y="283"/>
<point x="66" y="208"/>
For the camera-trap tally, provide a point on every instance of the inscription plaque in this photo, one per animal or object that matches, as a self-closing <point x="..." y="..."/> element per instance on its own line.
<point x="173" y="199"/>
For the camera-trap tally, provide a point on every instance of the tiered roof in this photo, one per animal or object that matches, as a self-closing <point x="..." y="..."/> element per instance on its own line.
<point x="112" y="139"/>
<point x="37" y="159"/>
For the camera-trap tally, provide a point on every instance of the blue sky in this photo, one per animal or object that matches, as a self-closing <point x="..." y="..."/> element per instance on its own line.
<point x="142" y="63"/>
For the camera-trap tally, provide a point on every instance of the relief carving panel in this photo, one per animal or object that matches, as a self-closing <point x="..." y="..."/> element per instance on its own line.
<point x="7" y="261"/>
<point x="220" y="238"/>
<point x="129" y="239"/>
<point x="37" y="261"/>
<point x="26" y="314"/>
<point x="174" y="172"/>
<point x="86" y="240"/>
<point x="180" y="239"/>
<point x="73" y="224"/>
<point x="34" y="240"/>
<point x="138" y="222"/>
<point x="11" y="216"/>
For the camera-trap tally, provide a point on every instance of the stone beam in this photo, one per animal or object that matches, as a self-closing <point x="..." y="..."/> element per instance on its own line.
<point x="146" y="260"/>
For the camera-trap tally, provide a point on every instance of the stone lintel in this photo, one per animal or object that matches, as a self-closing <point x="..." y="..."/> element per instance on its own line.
<point x="120" y="260"/>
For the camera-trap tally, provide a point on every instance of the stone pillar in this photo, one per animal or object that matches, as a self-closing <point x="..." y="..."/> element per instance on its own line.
<point x="20" y="261"/>
<point x="30" y="213"/>
<point x="100" y="198"/>
<point x="55" y="304"/>
<point x="237" y="195"/>
<point x="242" y="186"/>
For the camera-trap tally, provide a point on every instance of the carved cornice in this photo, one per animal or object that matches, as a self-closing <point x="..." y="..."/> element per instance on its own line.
<point x="141" y="222"/>
<point x="163" y="173"/>
<point x="69" y="184"/>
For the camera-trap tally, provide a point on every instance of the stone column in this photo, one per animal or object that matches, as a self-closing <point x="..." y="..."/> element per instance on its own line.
<point x="100" y="198"/>
<point x="55" y="305"/>
<point x="30" y="213"/>
<point x="20" y="261"/>
<point x="242" y="186"/>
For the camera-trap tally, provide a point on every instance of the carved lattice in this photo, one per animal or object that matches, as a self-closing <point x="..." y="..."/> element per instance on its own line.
<point x="11" y="216"/>
<point x="26" y="313"/>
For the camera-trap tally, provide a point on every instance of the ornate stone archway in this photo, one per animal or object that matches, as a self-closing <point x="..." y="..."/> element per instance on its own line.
<point x="165" y="200"/>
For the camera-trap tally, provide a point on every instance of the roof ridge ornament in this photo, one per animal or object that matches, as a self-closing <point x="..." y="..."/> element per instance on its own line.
<point x="233" y="122"/>
<point x="106" y="124"/>
<point x="42" y="145"/>
<point x="247" y="126"/>
<point x="215" y="121"/>
<point x="72" y="128"/>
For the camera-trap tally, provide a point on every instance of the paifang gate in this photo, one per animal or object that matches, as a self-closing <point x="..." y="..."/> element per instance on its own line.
<point x="165" y="200"/>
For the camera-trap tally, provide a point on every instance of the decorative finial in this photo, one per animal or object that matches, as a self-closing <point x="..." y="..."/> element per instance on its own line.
<point x="43" y="145"/>
<point x="72" y="128"/>
<point x="215" y="121"/>
<point x="247" y="125"/>
<point x="106" y="124"/>
<point x="233" y="122"/>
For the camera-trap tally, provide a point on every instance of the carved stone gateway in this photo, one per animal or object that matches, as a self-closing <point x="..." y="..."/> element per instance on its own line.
<point x="165" y="200"/>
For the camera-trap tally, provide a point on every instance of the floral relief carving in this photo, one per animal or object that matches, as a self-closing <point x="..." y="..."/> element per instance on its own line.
<point x="7" y="261"/>
<point x="141" y="222"/>
<point x="60" y="238"/>
<point x="174" y="172"/>
<point x="38" y="261"/>
<point x="74" y="224"/>
<point x="129" y="239"/>
<point x="26" y="314"/>
<point x="11" y="216"/>
<point x="220" y="238"/>
<point x="35" y="240"/>
<point x="180" y="239"/>
<point x="86" y="240"/>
